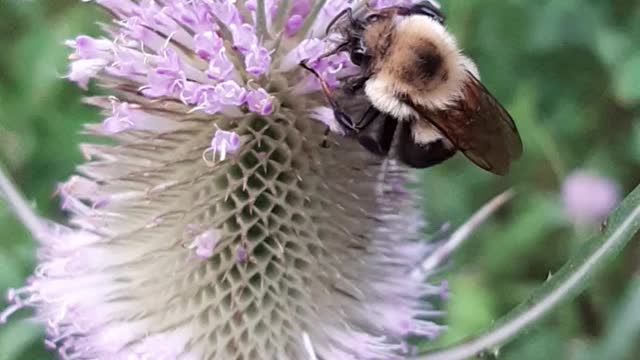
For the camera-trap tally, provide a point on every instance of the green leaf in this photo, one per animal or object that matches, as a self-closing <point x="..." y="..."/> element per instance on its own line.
<point x="612" y="45"/>
<point x="627" y="81"/>
<point x="623" y="331"/>
<point x="10" y="274"/>
<point x="538" y="214"/>
<point x="635" y="141"/>
<point x="542" y="344"/>
<point x="470" y="309"/>
<point x="572" y="279"/>
<point x="16" y="337"/>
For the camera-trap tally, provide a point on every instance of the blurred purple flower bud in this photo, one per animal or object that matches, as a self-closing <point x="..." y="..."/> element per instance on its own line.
<point x="241" y="254"/>
<point x="589" y="198"/>
<point x="293" y="25"/>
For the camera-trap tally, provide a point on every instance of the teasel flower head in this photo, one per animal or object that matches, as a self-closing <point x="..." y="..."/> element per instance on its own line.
<point x="221" y="222"/>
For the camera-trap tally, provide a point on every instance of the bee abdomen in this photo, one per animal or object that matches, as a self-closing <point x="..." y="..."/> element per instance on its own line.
<point x="419" y="155"/>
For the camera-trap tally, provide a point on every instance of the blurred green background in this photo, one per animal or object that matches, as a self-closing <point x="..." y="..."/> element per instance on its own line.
<point x="568" y="71"/>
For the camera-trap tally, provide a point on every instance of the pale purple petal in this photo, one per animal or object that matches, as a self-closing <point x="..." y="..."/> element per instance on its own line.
<point x="328" y="12"/>
<point x="84" y="70"/>
<point x="124" y="7"/>
<point x="205" y="243"/>
<point x="196" y="16"/>
<point x="206" y="99"/>
<point x="167" y="78"/>
<point x="271" y="6"/>
<point x="119" y="121"/>
<point x="129" y="63"/>
<point x="381" y="4"/>
<point x="225" y="11"/>
<point x="230" y="93"/>
<point x="220" y="67"/>
<point x="257" y="61"/>
<point x="260" y="102"/>
<point x="208" y="44"/>
<point x="224" y="143"/>
<point x="244" y="37"/>
<point x="325" y="115"/>
<point x="308" y="49"/>
<point x="87" y="47"/>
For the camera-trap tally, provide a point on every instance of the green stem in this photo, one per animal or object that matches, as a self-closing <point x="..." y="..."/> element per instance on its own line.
<point x="281" y="13"/>
<point x="310" y="20"/>
<point x="23" y="211"/>
<point x="572" y="279"/>
<point x="261" y="18"/>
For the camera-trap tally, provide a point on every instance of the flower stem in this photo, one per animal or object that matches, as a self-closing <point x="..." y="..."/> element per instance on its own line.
<point x="463" y="233"/>
<point x="572" y="279"/>
<point x="20" y="206"/>
<point x="261" y="18"/>
<point x="281" y="12"/>
<point x="311" y="18"/>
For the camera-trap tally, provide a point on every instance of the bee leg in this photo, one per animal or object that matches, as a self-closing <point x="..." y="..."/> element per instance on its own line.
<point x="367" y="118"/>
<point x="337" y="49"/>
<point x="354" y="84"/>
<point x="421" y="156"/>
<point x="325" y="142"/>
<point x="376" y="135"/>
<point x="341" y="117"/>
<point x="340" y="15"/>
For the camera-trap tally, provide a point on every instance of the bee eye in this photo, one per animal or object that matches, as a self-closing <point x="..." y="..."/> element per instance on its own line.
<point x="357" y="57"/>
<point x="373" y="18"/>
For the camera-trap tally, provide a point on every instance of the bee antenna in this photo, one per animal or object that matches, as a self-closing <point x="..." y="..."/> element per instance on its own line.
<point x="342" y="47"/>
<point x="344" y="12"/>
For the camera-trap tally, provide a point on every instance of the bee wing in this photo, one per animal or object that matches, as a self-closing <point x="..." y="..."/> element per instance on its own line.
<point x="479" y="127"/>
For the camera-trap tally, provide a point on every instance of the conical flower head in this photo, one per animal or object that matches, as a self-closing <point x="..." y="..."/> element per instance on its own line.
<point x="222" y="223"/>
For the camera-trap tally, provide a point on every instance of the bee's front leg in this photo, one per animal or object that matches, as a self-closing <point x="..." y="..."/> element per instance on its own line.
<point x="354" y="84"/>
<point x="376" y="131"/>
<point x="348" y="125"/>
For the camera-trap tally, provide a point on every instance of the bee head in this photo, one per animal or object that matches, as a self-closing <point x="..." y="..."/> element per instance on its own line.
<point x="368" y="37"/>
<point x="428" y="8"/>
<point x="377" y="34"/>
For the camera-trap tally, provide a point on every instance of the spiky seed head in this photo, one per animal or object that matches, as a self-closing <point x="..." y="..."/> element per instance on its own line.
<point x="217" y="225"/>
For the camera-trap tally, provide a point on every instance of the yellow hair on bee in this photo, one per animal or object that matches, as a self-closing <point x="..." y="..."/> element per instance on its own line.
<point x="423" y="62"/>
